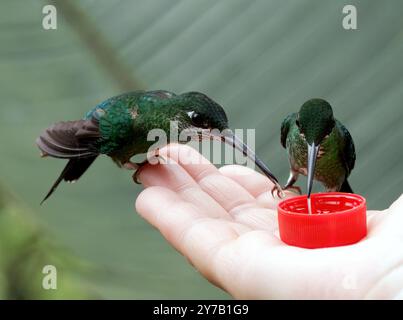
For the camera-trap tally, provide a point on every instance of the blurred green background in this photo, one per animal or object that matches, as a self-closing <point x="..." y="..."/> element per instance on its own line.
<point x="261" y="59"/>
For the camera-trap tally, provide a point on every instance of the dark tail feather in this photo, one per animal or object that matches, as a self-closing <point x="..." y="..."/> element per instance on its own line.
<point x="73" y="140"/>
<point x="345" y="187"/>
<point x="74" y="169"/>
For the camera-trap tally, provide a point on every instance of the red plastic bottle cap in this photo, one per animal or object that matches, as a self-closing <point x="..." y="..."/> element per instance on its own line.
<point x="337" y="219"/>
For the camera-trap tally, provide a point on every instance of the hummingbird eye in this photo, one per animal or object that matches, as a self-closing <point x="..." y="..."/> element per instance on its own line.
<point x="198" y="120"/>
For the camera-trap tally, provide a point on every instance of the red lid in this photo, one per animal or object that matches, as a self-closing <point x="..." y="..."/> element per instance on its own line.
<point x="337" y="219"/>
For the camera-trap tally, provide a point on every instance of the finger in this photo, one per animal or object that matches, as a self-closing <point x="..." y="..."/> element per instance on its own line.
<point x="257" y="218"/>
<point x="232" y="196"/>
<point x="255" y="183"/>
<point x="374" y="222"/>
<point x="392" y="222"/>
<point x="192" y="161"/>
<point x="193" y="234"/>
<point x="225" y="191"/>
<point x="174" y="177"/>
<point x="229" y="193"/>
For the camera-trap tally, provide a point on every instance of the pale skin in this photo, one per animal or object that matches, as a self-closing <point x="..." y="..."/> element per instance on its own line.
<point x="224" y="222"/>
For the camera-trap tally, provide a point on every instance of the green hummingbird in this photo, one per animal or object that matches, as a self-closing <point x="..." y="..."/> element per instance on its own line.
<point x="318" y="146"/>
<point x="119" y="126"/>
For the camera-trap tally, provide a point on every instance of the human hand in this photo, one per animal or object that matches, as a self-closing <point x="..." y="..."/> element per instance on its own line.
<point x="224" y="221"/>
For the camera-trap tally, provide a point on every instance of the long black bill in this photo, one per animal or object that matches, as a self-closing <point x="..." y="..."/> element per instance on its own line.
<point x="312" y="155"/>
<point x="231" y="139"/>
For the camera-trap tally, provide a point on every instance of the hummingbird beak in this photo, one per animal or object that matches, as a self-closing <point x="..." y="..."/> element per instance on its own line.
<point x="231" y="139"/>
<point x="312" y="155"/>
<point x="228" y="137"/>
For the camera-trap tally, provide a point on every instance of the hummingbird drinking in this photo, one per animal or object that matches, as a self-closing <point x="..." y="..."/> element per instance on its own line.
<point x="318" y="146"/>
<point x="118" y="128"/>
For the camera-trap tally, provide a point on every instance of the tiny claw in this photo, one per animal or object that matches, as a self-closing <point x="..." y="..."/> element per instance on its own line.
<point x="278" y="190"/>
<point x="135" y="176"/>
<point x="139" y="166"/>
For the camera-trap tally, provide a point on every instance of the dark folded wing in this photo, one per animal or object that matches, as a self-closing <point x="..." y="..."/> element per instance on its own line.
<point x="349" y="149"/>
<point x="70" y="139"/>
<point x="285" y="127"/>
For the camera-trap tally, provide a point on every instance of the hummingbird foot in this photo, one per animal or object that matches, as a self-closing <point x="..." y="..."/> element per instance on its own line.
<point x="277" y="191"/>
<point x="135" y="175"/>
<point x="138" y="166"/>
<point x="290" y="183"/>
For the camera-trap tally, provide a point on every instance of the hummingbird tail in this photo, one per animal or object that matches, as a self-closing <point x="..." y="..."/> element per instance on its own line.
<point x="345" y="187"/>
<point x="72" y="140"/>
<point x="74" y="169"/>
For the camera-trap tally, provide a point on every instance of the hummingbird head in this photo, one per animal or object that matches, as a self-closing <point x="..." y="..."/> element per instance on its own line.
<point x="315" y="121"/>
<point x="206" y="119"/>
<point x="201" y="112"/>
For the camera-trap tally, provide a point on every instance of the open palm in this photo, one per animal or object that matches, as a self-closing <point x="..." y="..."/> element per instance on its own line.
<point x="224" y="221"/>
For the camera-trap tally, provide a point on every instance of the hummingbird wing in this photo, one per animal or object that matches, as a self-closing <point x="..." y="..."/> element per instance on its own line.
<point x="73" y="140"/>
<point x="285" y="127"/>
<point x="70" y="139"/>
<point x="349" y="149"/>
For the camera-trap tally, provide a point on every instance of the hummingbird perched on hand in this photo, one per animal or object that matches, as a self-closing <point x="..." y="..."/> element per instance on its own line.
<point x="119" y="126"/>
<point x="319" y="147"/>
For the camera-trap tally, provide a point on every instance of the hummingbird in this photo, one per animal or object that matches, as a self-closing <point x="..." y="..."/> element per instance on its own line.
<point x="318" y="146"/>
<point x="119" y="126"/>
